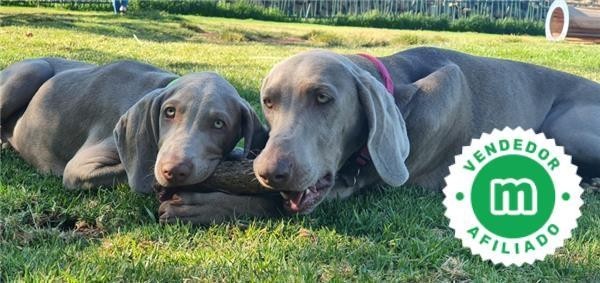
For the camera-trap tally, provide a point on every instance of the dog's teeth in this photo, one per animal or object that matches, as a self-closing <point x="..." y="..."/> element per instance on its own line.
<point x="284" y="196"/>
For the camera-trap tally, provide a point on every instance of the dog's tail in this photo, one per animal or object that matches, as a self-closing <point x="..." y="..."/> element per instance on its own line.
<point x="18" y="84"/>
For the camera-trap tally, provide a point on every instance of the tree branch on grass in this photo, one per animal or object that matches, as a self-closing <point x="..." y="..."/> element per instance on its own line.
<point x="233" y="177"/>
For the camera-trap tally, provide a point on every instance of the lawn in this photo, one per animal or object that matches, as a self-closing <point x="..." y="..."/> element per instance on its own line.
<point x="396" y="234"/>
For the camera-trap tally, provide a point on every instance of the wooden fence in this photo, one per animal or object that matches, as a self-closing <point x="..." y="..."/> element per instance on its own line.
<point x="497" y="9"/>
<point x="521" y="9"/>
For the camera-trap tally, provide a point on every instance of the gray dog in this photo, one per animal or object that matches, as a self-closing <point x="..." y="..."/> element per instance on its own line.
<point x="323" y="108"/>
<point x="126" y="121"/>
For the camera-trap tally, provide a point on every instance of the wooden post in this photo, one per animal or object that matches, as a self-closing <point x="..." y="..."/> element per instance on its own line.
<point x="572" y="23"/>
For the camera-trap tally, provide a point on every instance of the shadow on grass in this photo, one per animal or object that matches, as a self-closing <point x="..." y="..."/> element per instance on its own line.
<point x="34" y="201"/>
<point x="162" y="27"/>
<point x="159" y="30"/>
<point x="401" y="229"/>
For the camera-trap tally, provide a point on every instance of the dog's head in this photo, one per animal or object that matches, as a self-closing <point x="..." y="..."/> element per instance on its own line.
<point x="178" y="134"/>
<point x="321" y="109"/>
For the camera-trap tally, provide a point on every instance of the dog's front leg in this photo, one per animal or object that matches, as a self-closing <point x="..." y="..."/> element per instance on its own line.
<point x="212" y="208"/>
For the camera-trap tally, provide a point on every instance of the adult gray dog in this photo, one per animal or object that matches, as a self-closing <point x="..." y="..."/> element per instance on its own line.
<point x="323" y="108"/>
<point x="126" y="121"/>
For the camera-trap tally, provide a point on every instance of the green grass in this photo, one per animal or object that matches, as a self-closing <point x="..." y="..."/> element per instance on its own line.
<point x="397" y="234"/>
<point x="373" y="18"/>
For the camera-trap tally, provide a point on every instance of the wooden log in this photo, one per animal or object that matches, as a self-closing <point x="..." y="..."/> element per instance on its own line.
<point x="572" y="23"/>
<point x="234" y="177"/>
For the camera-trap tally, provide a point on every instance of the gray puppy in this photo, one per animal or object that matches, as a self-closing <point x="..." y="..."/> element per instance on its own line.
<point x="122" y="122"/>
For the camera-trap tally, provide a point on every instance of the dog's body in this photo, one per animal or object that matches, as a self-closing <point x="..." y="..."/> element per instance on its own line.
<point x="323" y="108"/>
<point x="104" y="125"/>
<point x="448" y="98"/>
<point x="58" y="103"/>
<point x="443" y="99"/>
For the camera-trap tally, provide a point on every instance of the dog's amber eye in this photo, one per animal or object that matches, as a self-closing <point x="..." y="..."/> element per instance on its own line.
<point x="170" y="112"/>
<point x="218" y="124"/>
<point x="323" y="98"/>
<point x="268" y="103"/>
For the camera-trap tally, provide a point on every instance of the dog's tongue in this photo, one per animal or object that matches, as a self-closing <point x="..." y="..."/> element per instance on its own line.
<point x="295" y="199"/>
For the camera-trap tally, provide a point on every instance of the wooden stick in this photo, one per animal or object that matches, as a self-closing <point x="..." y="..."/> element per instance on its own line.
<point x="234" y="177"/>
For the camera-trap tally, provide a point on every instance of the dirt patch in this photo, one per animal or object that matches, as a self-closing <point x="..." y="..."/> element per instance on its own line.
<point x="239" y="35"/>
<point x="87" y="230"/>
<point x="453" y="269"/>
<point x="370" y="42"/>
<point x="236" y="35"/>
<point x="53" y="219"/>
<point x="65" y="223"/>
<point x="191" y="27"/>
<point x="323" y="38"/>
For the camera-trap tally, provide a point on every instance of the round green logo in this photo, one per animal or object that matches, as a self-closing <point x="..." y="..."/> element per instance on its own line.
<point x="513" y="196"/>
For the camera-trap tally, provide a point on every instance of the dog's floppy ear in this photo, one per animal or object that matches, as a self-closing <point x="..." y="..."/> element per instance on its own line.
<point x="388" y="141"/>
<point x="254" y="133"/>
<point x="137" y="135"/>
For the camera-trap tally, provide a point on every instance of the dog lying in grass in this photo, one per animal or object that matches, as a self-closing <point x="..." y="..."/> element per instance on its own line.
<point x="122" y="122"/>
<point x="411" y="111"/>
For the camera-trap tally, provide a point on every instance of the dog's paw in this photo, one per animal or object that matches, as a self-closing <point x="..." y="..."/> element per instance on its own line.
<point x="193" y="208"/>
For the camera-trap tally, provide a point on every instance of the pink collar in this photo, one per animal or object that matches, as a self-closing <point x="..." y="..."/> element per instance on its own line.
<point x="383" y="71"/>
<point x="364" y="157"/>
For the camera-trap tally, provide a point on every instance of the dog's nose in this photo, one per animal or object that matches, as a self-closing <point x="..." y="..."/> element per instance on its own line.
<point x="277" y="174"/>
<point x="176" y="172"/>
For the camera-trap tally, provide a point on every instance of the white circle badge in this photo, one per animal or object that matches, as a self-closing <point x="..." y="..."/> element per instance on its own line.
<point x="513" y="196"/>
